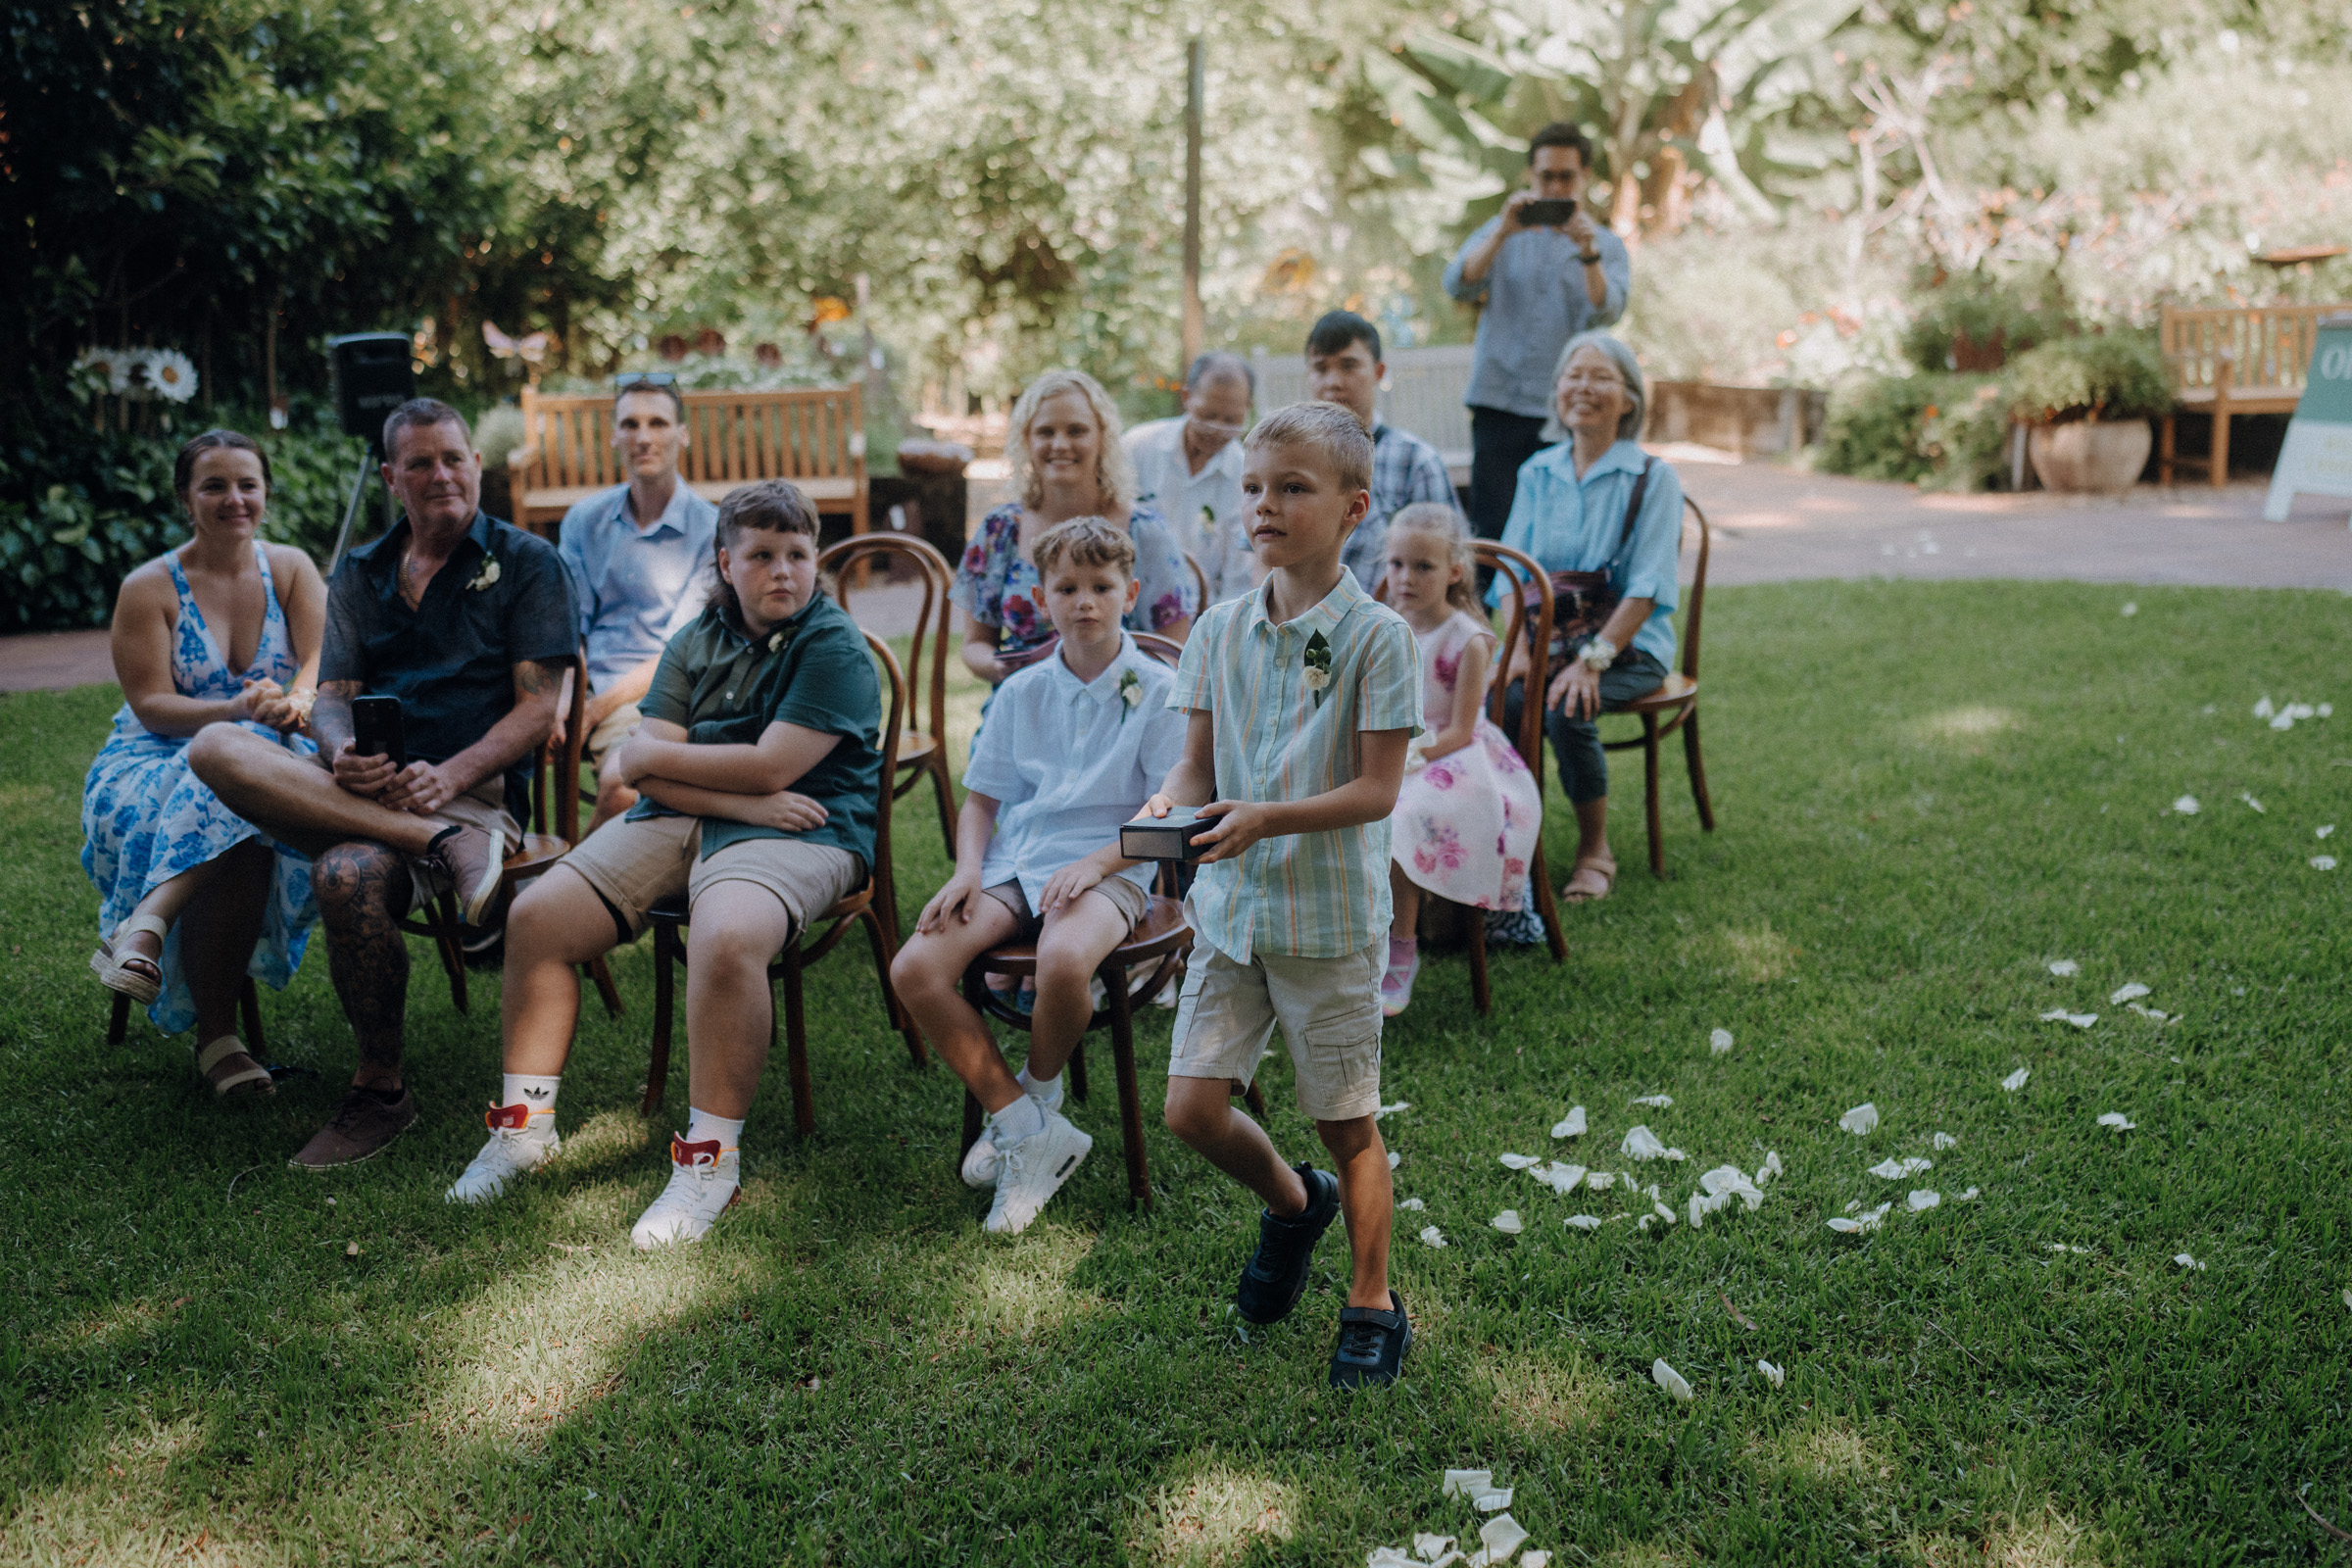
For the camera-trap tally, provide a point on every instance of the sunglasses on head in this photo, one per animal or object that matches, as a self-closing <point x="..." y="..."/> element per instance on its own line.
<point x="645" y="381"/>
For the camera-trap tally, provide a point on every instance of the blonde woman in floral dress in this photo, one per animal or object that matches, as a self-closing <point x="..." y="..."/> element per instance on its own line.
<point x="1468" y="814"/>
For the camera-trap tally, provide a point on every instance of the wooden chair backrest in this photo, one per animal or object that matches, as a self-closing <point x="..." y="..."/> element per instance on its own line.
<point x="806" y="433"/>
<point x="885" y="794"/>
<point x="2262" y="345"/>
<point x="1166" y="650"/>
<point x="556" y="769"/>
<point x="930" y="622"/>
<point x="1698" y="599"/>
<point x="1200" y="582"/>
<point x="1516" y="566"/>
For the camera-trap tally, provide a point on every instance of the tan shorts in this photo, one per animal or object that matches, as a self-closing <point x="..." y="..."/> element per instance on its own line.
<point x="481" y="806"/>
<point x="635" y="865"/>
<point x="1329" y="1009"/>
<point x="618" y="725"/>
<point x="1124" y="896"/>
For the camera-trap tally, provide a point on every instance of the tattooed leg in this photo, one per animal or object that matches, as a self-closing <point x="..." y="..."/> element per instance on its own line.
<point x="362" y="891"/>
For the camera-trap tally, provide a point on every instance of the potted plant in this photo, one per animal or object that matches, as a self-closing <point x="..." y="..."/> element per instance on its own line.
<point x="2087" y="401"/>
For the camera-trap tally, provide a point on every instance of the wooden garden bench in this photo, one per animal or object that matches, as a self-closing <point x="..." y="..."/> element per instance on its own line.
<point x="812" y="436"/>
<point x="2229" y="360"/>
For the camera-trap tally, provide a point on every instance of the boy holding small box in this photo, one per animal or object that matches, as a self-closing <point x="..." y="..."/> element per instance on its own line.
<point x="1301" y="698"/>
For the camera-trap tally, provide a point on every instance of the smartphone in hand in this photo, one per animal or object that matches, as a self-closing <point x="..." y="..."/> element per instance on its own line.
<point x="376" y="729"/>
<point x="1545" y="214"/>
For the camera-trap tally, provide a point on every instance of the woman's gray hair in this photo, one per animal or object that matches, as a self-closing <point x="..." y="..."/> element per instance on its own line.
<point x="1629" y="428"/>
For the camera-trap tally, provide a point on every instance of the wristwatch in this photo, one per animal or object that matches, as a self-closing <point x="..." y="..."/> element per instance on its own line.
<point x="1590" y="258"/>
<point x="1598" y="655"/>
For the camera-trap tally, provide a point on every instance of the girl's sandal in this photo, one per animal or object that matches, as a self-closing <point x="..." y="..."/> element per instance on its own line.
<point x="132" y="974"/>
<point x="231" y="1072"/>
<point x="1606" y="870"/>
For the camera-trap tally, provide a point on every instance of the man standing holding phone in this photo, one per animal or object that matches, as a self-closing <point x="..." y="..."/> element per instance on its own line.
<point x="1542" y="272"/>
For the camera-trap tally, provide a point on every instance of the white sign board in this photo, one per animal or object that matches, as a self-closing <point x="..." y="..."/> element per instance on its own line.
<point x="2317" y="459"/>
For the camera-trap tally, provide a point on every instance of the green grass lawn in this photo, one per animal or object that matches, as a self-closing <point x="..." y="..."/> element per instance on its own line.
<point x="1927" y="794"/>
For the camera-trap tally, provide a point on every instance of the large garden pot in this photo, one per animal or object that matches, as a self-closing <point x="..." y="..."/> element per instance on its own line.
<point x="2089" y="457"/>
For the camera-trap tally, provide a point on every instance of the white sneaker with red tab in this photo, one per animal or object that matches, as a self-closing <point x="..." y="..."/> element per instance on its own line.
<point x="705" y="1178"/>
<point x="521" y="1140"/>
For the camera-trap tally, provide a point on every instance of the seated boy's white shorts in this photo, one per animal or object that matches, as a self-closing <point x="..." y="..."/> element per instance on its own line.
<point x="635" y="865"/>
<point x="1329" y="1010"/>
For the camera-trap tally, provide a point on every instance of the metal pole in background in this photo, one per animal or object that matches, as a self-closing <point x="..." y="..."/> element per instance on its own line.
<point x="1194" y="86"/>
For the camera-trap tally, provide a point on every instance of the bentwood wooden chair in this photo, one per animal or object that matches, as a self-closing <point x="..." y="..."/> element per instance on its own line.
<point x="1677" y="703"/>
<point x="873" y="906"/>
<point x="551" y="821"/>
<point x="1515" y="567"/>
<point x="1199" y="584"/>
<point x="923" y="747"/>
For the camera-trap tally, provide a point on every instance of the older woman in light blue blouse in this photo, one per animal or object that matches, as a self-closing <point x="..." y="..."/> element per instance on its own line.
<point x="1571" y="514"/>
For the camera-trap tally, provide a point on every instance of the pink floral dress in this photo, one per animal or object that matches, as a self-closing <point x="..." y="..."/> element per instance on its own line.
<point x="1465" y="823"/>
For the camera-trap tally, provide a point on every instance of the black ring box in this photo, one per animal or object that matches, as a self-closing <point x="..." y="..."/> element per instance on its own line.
<point x="1166" y="838"/>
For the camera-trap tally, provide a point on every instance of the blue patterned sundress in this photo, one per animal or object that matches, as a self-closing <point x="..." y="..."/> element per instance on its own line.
<point x="146" y="817"/>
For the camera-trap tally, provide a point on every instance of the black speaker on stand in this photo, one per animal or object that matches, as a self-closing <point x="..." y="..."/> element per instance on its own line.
<point x="373" y="374"/>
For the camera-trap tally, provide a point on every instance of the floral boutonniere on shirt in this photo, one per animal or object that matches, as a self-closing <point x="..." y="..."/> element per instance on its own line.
<point x="484" y="578"/>
<point x="1209" y="522"/>
<point x="1131" y="694"/>
<point x="778" y="638"/>
<point x="1317" y="663"/>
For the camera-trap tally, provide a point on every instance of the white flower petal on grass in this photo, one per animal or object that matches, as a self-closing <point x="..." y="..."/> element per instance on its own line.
<point x="2262" y="709"/>
<point x="2186" y="805"/>
<point x="2322" y="862"/>
<point x="1861" y="1121"/>
<point x="1388" y="1558"/>
<point x="2187" y="1261"/>
<point x="1969" y="1196"/>
<point x="2323" y="830"/>
<point x="1643" y="1144"/>
<point x="2348" y="1298"/>
<point x="1923" y="1199"/>
<point x="1725" y="1182"/>
<point x="1391" y="1110"/>
<point x="2117" y="1121"/>
<point x="1520" y="1161"/>
<point x="1773" y="1375"/>
<point x="1720" y="1042"/>
<point x="1432" y="1236"/>
<point x="2017" y="1080"/>
<point x="2064" y="967"/>
<point x="1910" y="1165"/>
<point x="1582" y="1222"/>
<point x="2125" y="993"/>
<point x="1507" y="1222"/>
<point x="2250" y="800"/>
<point x="1868" y="1220"/>
<point x="1667" y="1378"/>
<point x="1394" y="1159"/>
<point x="1413" y="1203"/>
<point x="2081" y="1020"/>
<point x="1561" y="1179"/>
<point x="1534" y="1559"/>
<point x="1653" y="1101"/>
<point x="1571" y="1125"/>
<point x="2061" y="1246"/>
<point x="2324" y="711"/>
<point x="1944" y="1141"/>
<point x="1430" y="1548"/>
<point x="2130" y="608"/>
<point x="1771" y="1167"/>
<point x="2282" y="721"/>
<point x="1466" y="1482"/>
<point x="1600" y="1181"/>
<point x="1663" y="1212"/>
<point x="1696" y="1210"/>
<point x="1492" y="1500"/>
<point x="1503" y="1535"/>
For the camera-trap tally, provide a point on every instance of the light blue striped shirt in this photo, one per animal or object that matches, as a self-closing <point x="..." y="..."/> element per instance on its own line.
<point x="1573" y="525"/>
<point x="637" y="587"/>
<point x="1309" y="895"/>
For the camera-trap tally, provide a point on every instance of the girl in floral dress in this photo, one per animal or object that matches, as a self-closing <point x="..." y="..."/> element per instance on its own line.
<point x="223" y="630"/>
<point x="1064" y="460"/>
<point x="1466" y="820"/>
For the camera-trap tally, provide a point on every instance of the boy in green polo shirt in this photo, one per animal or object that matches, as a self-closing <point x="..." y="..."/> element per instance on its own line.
<point x="1300" y="698"/>
<point x="757" y="769"/>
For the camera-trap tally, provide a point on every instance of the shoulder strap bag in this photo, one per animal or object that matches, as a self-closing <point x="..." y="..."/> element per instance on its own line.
<point x="1581" y="602"/>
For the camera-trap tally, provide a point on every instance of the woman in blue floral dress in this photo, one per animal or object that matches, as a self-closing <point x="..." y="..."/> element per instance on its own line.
<point x="1066" y="460"/>
<point x="225" y="629"/>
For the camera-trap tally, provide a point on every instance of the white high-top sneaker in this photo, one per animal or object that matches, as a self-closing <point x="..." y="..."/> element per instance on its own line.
<point x="521" y="1140"/>
<point x="1032" y="1171"/>
<point x="703" y="1180"/>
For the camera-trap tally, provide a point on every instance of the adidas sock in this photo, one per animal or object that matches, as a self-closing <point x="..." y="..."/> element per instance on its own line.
<point x="537" y="1093"/>
<point x="1023" y="1118"/>
<point x="702" y="1126"/>
<point x="1047" y="1091"/>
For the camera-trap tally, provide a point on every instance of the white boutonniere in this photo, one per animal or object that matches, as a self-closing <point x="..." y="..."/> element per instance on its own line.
<point x="1209" y="522"/>
<point x="1131" y="694"/>
<point x="1317" y="667"/>
<point x="484" y="578"/>
<point x="778" y="638"/>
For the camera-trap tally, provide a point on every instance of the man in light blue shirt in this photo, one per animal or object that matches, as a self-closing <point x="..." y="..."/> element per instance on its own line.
<point x="639" y="557"/>
<point x="1538" y="283"/>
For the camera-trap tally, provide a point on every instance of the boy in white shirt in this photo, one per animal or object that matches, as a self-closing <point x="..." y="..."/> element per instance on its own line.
<point x="1073" y="747"/>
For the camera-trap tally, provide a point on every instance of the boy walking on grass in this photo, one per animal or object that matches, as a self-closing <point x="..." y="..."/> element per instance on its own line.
<point x="1300" y="698"/>
<point x="1070" y="746"/>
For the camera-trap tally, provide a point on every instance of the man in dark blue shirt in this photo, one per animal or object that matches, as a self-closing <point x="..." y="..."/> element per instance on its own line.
<point x="471" y="623"/>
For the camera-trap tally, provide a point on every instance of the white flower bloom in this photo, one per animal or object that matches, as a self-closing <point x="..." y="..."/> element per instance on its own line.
<point x="489" y="574"/>
<point x="1317" y="679"/>
<point x="115" y="364"/>
<point x="169" y="374"/>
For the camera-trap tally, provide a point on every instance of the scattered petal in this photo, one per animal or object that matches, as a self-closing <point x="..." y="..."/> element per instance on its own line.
<point x="2061" y="1246"/>
<point x="1391" y="1110"/>
<point x="1720" y="1042"/>
<point x="1600" y="1181"/>
<point x="2322" y="862"/>
<point x="1520" y="1161"/>
<point x="2117" y="1121"/>
<point x="1492" y="1500"/>
<point x="1773" y="1375"/>
<point x="1944" y="1141"/>
<point x="2323" y="830"/>
<point x="2186" y="805"/>
<point x="1667" y="1378"/>
<point x="1503" y="1535"/>
<point x="1861" y="1121"/>
<point x="1697" y="1210"/>
<point x="1466" y="1482"/>
<point x="1582" y="1222"/>
<point x="351" y="1250"/>
<point x="1867" y="1220"/>
<point x="1924" y="1198"/>
<point x="1388" y="1558"/>
<point x="1430" y="1547"/>
<point x="2017" y="1080"/>
<point x="2131" y="607"/>
<point x="2262" y="709"/>
<point x="1894" y="1169"/>
<point x="1534" y="1559"/>
<point x="2081" y="1020"/>
<point x="1413" y="1203"/>
<point x="1432" y="1236"/>
<point x="1643" y="1144"/>
<point x="1571" y="1125"/>
<point x="2250" y="800"/>
<point x="2187" y="1261"/>
<point x="2284" y="720"/>
<point x="2348" y="1298"/>
<point x="2324" y="711"/>
<point x="1561" y="1179"/>
<point x="2065" y="966"/>
<point x="2125" y="993"/>
<point x="1507" y="1222"/>
<point x="1654" y="1101"/>
<point x="1969" y="1196"/>
<point x="1394" y="1159"/>
<point x="1770" y="1168"/>
<point x="1662" y="1212"/>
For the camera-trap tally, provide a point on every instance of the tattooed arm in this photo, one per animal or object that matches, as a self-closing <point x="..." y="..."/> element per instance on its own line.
<point x="425" y="787"/>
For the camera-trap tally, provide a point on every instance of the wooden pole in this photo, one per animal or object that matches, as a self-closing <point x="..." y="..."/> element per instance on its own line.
<point x="1194" y="86"/>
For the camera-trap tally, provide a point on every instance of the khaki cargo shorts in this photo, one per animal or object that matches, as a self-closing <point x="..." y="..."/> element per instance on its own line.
<point x="635" y="865"/>
<point x="1329" y="1009"/>
<point x="617" y="726"/>
<point x="1124" y="896"/>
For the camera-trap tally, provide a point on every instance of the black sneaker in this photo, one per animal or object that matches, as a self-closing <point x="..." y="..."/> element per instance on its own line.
<point x="359" y="1130"/>
<point x="1277" y="1273"/>
<point x="1372" y="1345"/>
